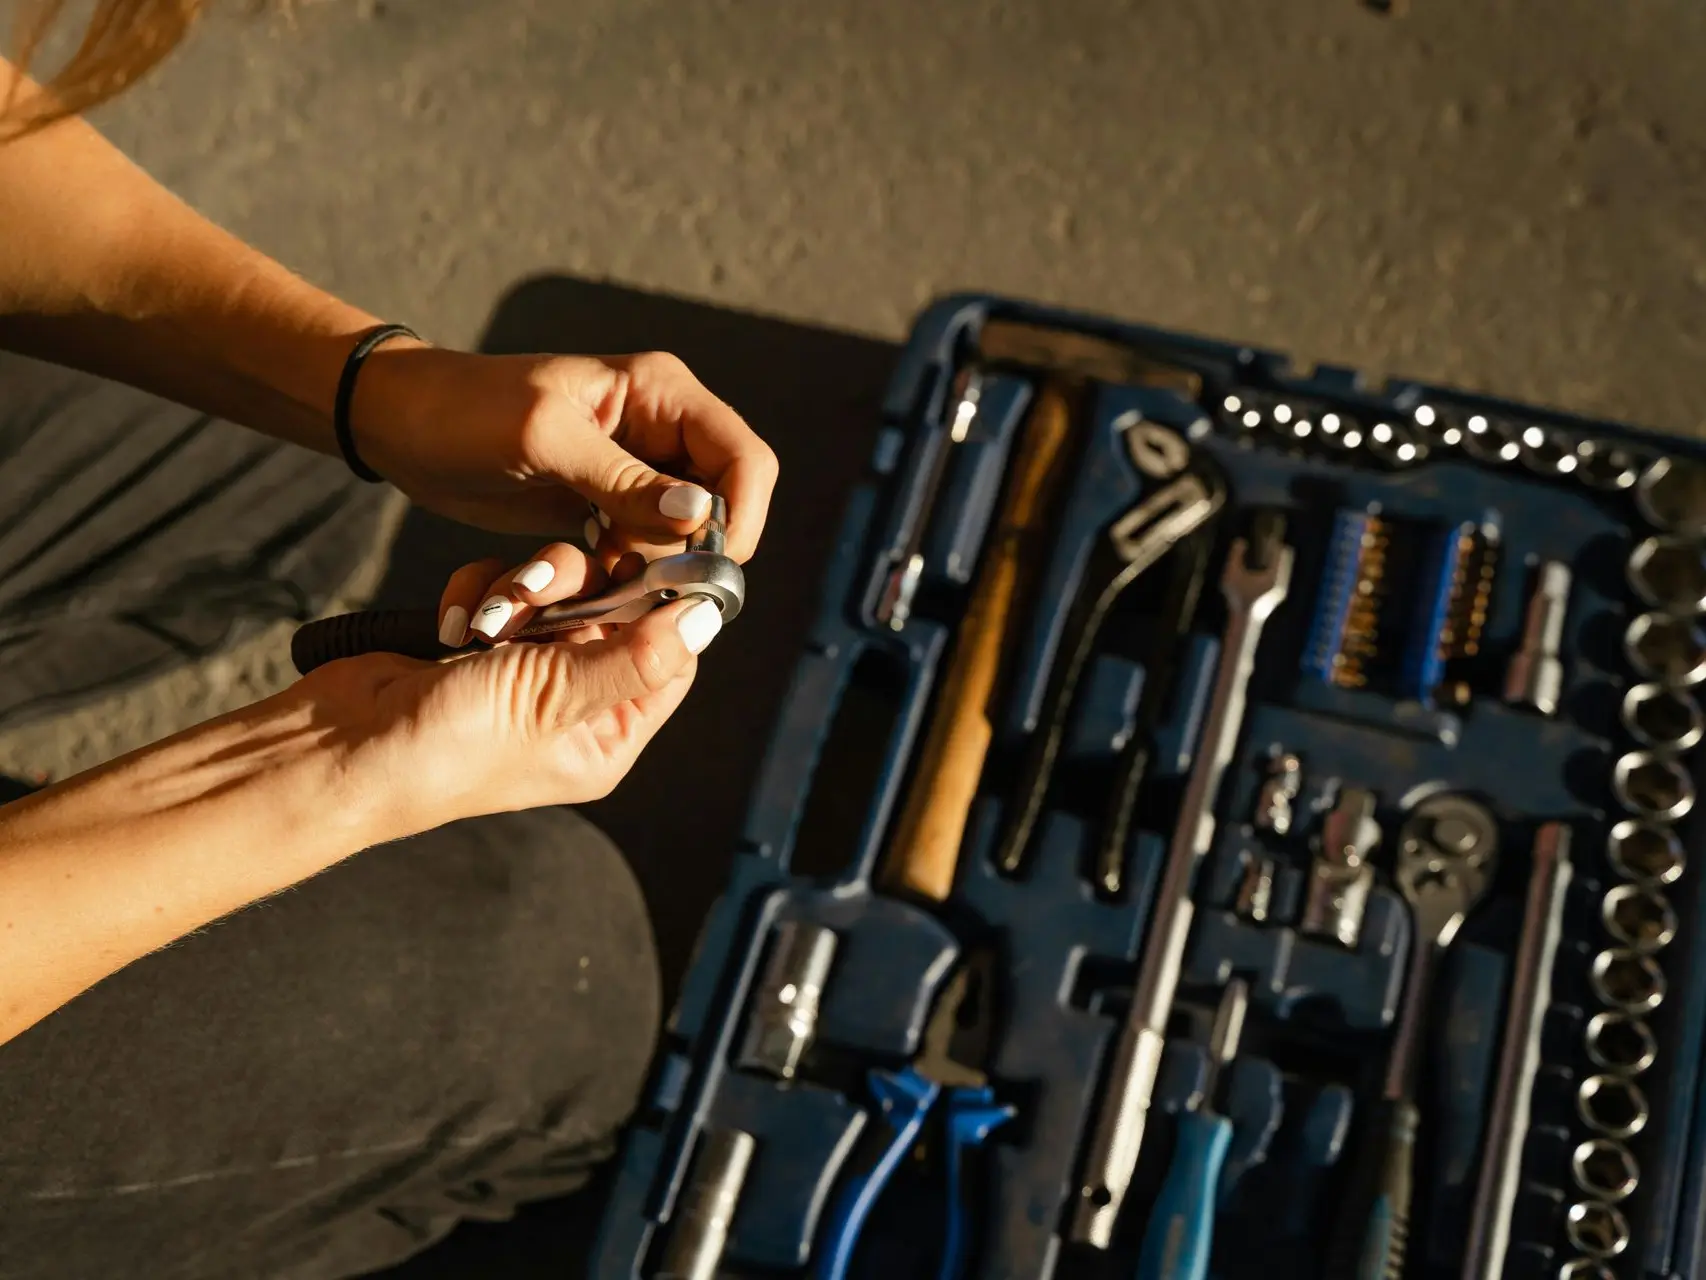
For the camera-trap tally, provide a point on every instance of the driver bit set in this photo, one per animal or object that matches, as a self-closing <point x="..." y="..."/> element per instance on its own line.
<point x="1229" y="821"/>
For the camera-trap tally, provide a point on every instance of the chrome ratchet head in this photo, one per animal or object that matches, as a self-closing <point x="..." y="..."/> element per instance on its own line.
<point x="700" y="572"/>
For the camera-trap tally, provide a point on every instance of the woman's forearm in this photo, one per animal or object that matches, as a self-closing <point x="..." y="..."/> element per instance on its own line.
<point x="103" y="269"/>
<point x="115" y="863"/>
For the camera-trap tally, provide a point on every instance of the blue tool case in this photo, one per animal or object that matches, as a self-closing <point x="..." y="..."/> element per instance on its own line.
<point x="1228" y="820"/>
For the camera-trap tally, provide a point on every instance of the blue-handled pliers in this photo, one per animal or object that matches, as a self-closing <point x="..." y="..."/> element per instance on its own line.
<point x="946" y="1071"/>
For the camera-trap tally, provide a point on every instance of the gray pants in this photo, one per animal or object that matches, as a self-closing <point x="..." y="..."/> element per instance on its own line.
<point x="324" y="1083"/>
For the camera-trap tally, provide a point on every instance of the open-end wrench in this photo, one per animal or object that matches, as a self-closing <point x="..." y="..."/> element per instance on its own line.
<point x="1447" y="851"/>
<point x="702" y="571"/>
<point x="1256" y="578"/>
<point x="1135" y="542"/>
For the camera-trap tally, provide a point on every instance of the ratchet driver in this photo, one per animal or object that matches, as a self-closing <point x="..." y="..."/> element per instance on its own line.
<point x="701" y="571"/>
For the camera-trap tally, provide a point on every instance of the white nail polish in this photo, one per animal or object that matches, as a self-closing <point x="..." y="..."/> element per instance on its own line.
<point x="699" y="624"/>
<point x="591" y="533"/>
<point x="684" y="502"/>
<point x="454" y="629"/>
<point x="602" y="518"/>
<point x="536" y="576"/>
<point x="492" y="615"/>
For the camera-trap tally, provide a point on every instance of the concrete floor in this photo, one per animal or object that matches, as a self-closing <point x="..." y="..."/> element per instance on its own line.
<point x="1507" y="195"/>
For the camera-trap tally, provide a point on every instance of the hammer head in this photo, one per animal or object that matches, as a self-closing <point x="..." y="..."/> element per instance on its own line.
<point x="1075" y="356"/>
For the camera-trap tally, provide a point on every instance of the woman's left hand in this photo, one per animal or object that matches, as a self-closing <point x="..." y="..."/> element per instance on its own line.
<point x="523" y="444"/>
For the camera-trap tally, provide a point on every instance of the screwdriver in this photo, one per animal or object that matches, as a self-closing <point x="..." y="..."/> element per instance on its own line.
<point x="1180" y="1235"/>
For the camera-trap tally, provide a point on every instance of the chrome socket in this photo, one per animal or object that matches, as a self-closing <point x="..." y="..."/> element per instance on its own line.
<point x="1597" y="1229"/>
<point x="1666" y="648"/>
<point x="1607" y="466"/>
<point x="1627" y="980"/>
<point x="1605" y="1169"/>
<point x="1663" y="716"/>
<point x="1613" y="1106"/>
<point x="1491" y="439"/>
<point x="1671" y="495"/>
<point x="1621" y="1043"/>
<point x="1585" y="1269"/>
<point x="1651" y="784"/>
<point x="1645" y="852"/>
<point x="1669" y="572"/>
<point x="1639" y="917"/>
<point x="783" y="1021"/>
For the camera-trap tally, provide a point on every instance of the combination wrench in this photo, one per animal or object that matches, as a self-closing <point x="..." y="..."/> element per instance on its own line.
<point x="1254" y="581"/>
<point x="701" y="571"/>
<point x="1135" y="542"/>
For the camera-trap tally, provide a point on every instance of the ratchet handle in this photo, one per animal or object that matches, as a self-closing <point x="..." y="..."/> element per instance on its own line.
<point x="410" y="632"/>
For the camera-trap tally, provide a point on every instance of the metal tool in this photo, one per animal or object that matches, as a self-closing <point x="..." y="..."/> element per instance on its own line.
<point x="1671" y="494"/>
<point x="1626" y="979"/>
<point x="1652" y="784"/>
<point x="1639" y="916"/>
<point x="1188" y="575"/>
<point x="924" y="853"/>
<point x="1585" y="1269"/>
<point x="1519" y="1054"/>
<point x="1135" y="542"/>
<point x="700" y="572"/>
<point x="1661" y="646"/>
<point x="1255" y="896"/>
<point x="783" y="1020"/>
<point x="706" y="1208"/>
<point x="1156" y="451"/>
<point x="1279" y="792"/>
<point x="1179" y="1237"/>
<point x="1621" y="1043"/>
<point x="1612" y="1105"/>
<point x="1607" y="465"/>
<point x="1447" y="851"/>
<point x="1667" y="572"/>
<point x="906" y="563"/>
<point x="1663" y="716"/>
<point x="1599" y="1230"/>
<point x="1341" y="875"/>
<point x="1535" y="676"/>
<point x="1255" y="579"/>
<point x="1547" y="453"/>
<point x="1605" y="1169"/>
<point x="1491" y="439"/>
<point x="1645" y="851"/>
<point x="958" y="1040"/>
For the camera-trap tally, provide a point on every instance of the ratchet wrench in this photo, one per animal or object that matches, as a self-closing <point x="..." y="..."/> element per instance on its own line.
<point x="1254" y="581"/>
<point x="702" y="571"/>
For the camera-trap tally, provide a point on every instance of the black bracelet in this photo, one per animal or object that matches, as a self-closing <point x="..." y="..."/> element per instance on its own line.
<point x="346" y="392"/>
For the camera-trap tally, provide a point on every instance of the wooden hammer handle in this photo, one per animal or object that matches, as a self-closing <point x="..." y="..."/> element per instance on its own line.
<point x="925" y="852"/>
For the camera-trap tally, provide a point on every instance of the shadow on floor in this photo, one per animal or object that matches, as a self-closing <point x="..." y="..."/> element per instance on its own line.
<point x="813" y="394"/>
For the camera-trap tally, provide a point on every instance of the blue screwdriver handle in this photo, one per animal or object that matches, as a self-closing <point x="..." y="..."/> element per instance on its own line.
<point x="1388" y="1235"/>
<point x="1180" y="1234"/>
<point x="904" y="1098"/>
<point x="972" y="1115"/>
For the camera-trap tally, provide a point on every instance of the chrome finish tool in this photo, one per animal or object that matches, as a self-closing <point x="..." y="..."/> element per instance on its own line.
<point x="701" y="571"/>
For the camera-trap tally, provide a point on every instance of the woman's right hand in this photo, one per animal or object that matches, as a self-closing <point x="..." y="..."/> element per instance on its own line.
<point x="513" y="725"/>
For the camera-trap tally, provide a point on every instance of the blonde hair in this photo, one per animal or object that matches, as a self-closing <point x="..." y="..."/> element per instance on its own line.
<point x="124" y="41"/>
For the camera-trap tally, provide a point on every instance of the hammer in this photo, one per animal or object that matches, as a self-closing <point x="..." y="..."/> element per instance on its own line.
<point x="924" y="854"/>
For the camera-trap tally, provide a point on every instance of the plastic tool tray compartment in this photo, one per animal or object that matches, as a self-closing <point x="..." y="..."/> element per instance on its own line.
<point x="1477" y="688"/>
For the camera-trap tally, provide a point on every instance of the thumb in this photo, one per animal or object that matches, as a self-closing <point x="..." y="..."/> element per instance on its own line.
<point x="645" y="503"/>
<point x="641" y="659"/>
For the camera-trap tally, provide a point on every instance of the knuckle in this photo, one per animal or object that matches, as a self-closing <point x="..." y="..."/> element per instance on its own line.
<point x="651" y="664"/>
<point x="626" y="473"/>
<point x="665" y="364"/>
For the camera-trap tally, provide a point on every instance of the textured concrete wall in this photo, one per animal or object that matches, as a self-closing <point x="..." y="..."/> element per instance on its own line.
<point x="1501" y="194"/>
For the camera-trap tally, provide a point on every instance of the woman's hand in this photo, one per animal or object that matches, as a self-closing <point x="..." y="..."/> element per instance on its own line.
<point x="523" y="724"/>
<point x="525" y="443"/>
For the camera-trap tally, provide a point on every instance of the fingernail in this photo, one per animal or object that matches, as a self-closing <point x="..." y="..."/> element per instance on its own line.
<point x="699" y="624"/>
<point x="602" y="518"/>
<point x="684" y="502"/>
<point x="591" y="533"/>
<point x="492" y="616"/>
<point x="454" y="629"/>
<point x="536" y="576"/>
